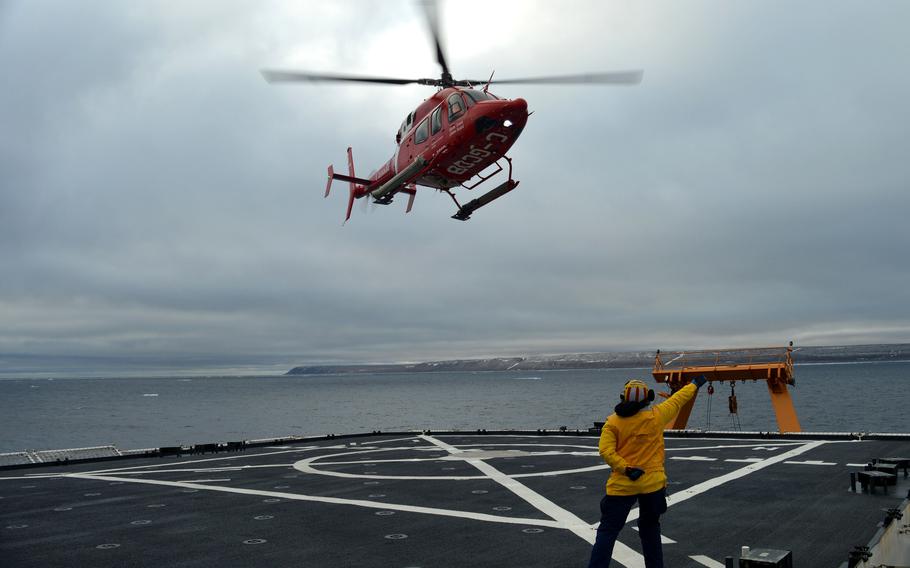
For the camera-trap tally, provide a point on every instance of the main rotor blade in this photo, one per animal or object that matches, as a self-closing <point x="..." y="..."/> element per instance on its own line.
<point x="612" y="78"/>
<point x="430" y="8"/>
<point x="274" y="76"/>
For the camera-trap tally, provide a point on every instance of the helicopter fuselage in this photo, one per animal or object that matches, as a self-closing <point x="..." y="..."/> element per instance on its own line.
<point x="458" y="133"/>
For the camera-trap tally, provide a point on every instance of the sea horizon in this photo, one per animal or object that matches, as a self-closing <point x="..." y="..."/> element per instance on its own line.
<point x="141" y="412"/>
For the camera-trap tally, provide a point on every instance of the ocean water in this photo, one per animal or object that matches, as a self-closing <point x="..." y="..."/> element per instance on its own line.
<point x="150" y="412"/>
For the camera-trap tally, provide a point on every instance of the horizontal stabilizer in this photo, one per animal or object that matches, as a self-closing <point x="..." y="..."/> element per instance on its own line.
<point x="351" y="179"/>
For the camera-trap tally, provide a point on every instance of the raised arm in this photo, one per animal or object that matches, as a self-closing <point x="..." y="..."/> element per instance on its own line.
<point x="669" y="408"/>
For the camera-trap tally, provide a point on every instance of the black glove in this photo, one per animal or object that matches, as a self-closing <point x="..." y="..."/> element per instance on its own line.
<point x="634" y="473"/>
<point x="699" y="381"/>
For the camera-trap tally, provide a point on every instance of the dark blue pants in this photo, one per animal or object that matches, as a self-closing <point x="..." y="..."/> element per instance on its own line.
<point x="614" y="509"/>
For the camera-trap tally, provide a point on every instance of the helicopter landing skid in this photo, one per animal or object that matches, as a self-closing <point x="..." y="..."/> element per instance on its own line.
<point x="464" y="211"/>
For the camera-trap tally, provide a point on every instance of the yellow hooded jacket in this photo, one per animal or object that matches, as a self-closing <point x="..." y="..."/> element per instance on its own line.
<point x="638" y="441"/>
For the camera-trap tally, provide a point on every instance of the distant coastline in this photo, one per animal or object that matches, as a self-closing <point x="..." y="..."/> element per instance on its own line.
<point x="607" y="360"/>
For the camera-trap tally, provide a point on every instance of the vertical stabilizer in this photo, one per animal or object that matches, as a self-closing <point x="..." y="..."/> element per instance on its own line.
<point x="351" y="184"/>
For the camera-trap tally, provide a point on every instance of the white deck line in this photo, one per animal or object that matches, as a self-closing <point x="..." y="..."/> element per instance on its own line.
<point x="373" y="443"/>
<point x="222" y="458"/>
<point x="758" y="446"/>
<point x="549" y="434"/>
<point x="190" y="470"/>
<point x="705" y="561"/>
<point x="700" y="488"/>
<point x="565" y="519"/>
<point x="308" y="465"/>
<point x="592" y="448"/>
<point x="333" y="500"/>
<point x="664" y="539"/>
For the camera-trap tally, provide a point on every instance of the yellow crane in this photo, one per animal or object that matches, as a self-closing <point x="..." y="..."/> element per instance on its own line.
<point x="771" y="364"/>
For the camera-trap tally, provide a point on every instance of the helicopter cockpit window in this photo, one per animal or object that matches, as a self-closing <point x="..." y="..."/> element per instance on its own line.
<point x="422" y="132"/>
<point x="436" y="120"/>
<point x="478" y="96"/>
<point x="456" y="106"/>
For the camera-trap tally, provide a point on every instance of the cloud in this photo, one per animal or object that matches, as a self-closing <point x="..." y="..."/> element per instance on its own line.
<point x="161" y="205"/>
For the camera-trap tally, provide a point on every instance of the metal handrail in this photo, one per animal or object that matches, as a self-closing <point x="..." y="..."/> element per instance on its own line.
<point x="713" y="357"/>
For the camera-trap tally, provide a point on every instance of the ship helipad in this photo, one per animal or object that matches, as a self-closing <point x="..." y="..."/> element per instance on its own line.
<point x="431" y="499"/>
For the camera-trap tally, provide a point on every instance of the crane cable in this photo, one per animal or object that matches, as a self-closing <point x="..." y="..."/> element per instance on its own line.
<point x="734" y="407"/>
<point x="710" y="392"/>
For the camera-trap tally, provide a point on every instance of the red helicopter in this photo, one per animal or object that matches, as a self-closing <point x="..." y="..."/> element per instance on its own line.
<point x="457" y="138"/>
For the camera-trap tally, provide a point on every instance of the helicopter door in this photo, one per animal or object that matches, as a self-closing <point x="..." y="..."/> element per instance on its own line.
<point x="436" y="121"/>
<point x="422" y="132"/>
<point x="435" y="128"/>
<point x="411" y="146"/>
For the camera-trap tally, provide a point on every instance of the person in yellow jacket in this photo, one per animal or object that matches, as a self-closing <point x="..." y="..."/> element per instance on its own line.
<point x="632" y="442"/>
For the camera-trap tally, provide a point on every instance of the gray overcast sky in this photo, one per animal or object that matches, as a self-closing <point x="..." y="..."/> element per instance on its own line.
<point x="161" y="205"/>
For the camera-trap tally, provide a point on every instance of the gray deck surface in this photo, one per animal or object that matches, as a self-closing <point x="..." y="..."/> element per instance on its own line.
<point x="436" y="501"/>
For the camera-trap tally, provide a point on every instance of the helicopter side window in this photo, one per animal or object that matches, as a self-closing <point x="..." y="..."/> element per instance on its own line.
<point x="422" y="132"/>
<point x="405" y="127"/>
<point x="456" y="106"/>
<point x="436" y="120"/>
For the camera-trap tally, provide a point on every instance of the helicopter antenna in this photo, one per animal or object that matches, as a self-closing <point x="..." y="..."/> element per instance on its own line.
<point x="490" y="80"/>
